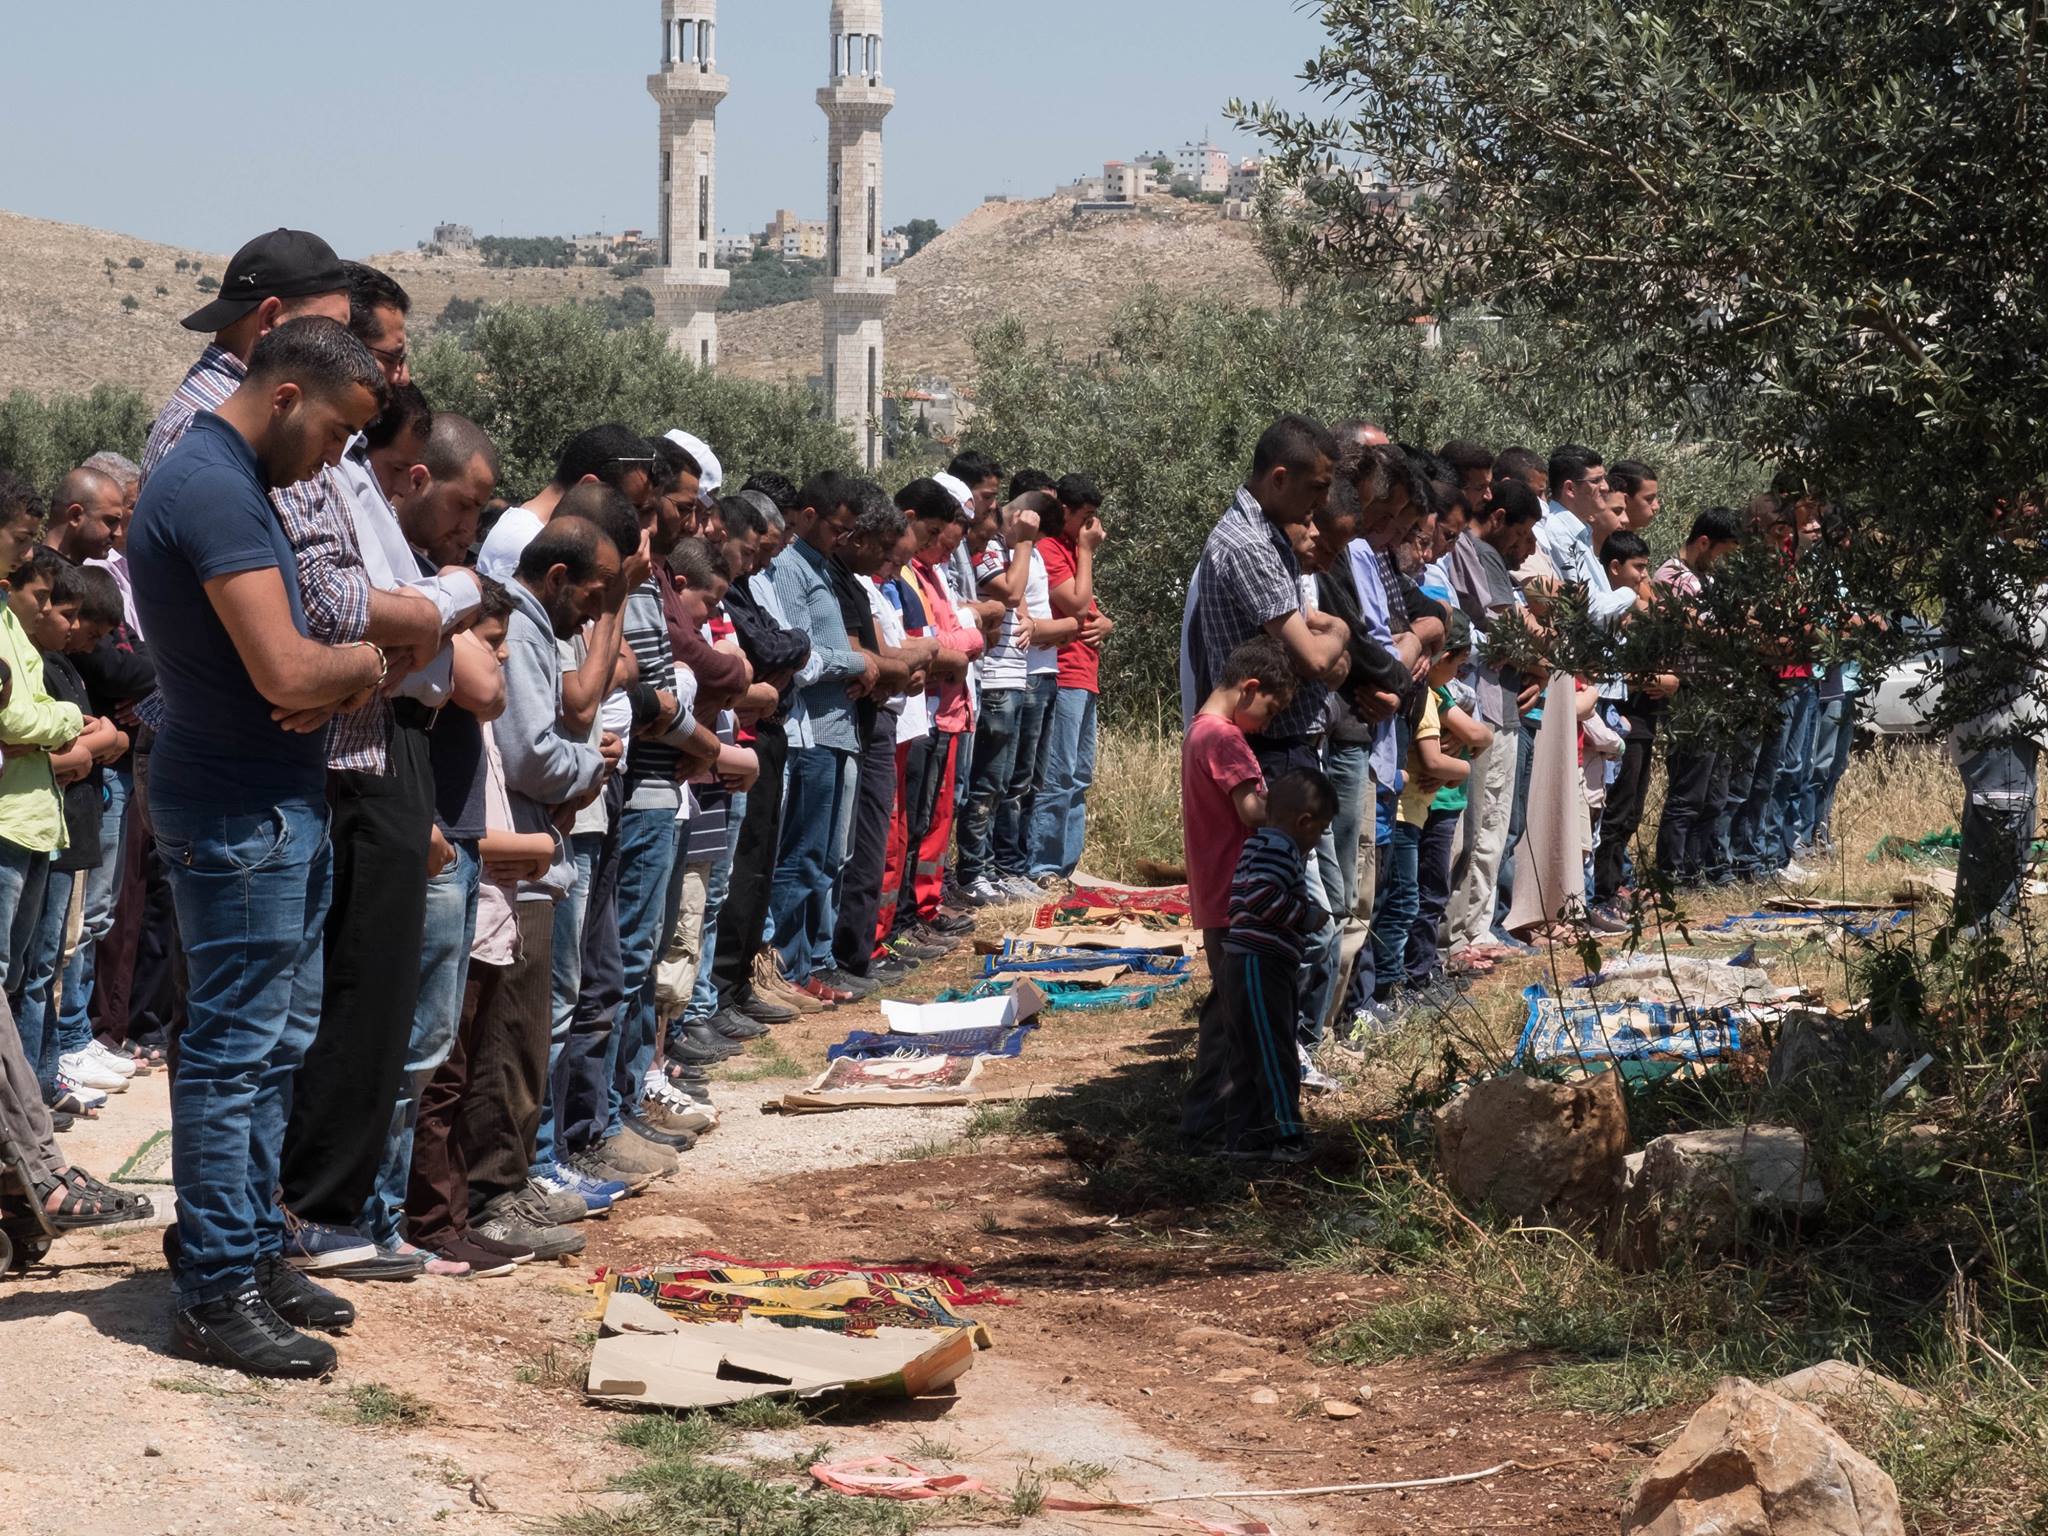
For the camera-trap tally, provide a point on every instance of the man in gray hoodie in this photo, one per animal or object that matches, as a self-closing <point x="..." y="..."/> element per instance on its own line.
<point x="564" y="577"/>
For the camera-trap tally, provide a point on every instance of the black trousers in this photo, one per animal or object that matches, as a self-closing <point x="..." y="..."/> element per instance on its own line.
<point x="1246" y="1096"/>
<point x="1624" y="812"/>
<point x="343" y="1096"/>
<point x="744" y="917"/>
<point x="1685" y="834"/>
<point x="860" y="881"/>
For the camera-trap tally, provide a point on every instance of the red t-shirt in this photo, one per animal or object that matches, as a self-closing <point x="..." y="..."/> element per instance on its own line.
<point x="1080" y="664"/>
<point x="1215" y="759"/>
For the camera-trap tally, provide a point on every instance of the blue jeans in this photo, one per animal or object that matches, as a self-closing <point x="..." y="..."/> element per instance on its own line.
<point x="800" y="906"/>
<point x="704" y="998"/>
<point x="2000" y="813"/>
<point x="1834" y="736"/>
<point x="995" y="762"/>
<point x="42" y="1040"/>
<point x="1059" y="820"/>
<point x="22" y="874"/>
<point x="1792" y="799"/>
<point x="444" y="970"/>
<point x="102" y="885"/>
<point x="565" y="979"/>
<point x="648" y="844"/>
<point x="1400" y="885"/>
<point x="251" y="890"/>
<point x="1753" y="820"/>
<point x="1009" y="841"/>
<point x="1349" y="767"/>
<point x="446" y="938"/>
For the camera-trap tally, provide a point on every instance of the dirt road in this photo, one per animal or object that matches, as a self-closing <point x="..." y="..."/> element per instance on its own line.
<point x="1137" y="1358"/>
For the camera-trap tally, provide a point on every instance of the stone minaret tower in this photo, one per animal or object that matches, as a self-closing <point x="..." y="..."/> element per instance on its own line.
<point x="688" y="90"/>
<point x="854" y="293"/>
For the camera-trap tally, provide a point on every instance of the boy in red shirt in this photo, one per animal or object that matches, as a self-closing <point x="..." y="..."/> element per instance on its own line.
<point x="1223" y="799"/>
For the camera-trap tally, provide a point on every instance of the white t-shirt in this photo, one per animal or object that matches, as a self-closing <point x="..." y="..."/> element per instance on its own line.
<point x="913" y="719"/>
<point x="499" y="558"/>
<point x="1041" y="660"/>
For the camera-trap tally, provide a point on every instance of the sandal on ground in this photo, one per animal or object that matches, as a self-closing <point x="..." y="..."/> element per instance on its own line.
<point x="81" y="1204"/>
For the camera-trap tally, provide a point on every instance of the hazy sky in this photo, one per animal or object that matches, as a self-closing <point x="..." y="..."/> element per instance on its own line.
<point x="370" y="122"/>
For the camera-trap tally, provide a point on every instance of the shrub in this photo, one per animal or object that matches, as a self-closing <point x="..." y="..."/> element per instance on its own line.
<point x="535" y="377"/>
<point x="41" y="439"/>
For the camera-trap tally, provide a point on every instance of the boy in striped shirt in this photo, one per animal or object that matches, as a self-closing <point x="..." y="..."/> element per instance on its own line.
<point x="1272" y="915"/>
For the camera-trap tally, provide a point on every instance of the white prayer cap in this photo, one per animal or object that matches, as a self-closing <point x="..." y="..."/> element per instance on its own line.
<point x="711" y="476"/>
<point x="957" y="489"/>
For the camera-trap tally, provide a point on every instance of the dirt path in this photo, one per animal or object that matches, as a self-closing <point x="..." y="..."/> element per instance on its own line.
<point x="1145" y="1364"/>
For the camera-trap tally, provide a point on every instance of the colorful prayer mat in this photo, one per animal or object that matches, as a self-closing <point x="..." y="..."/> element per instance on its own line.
<point x="1027" y="957"/>
<point x="837" y="1297"/>
<point x="991" y="1040"/>
<point x="1166" y="907"/>
<point x="1573" y="1033"/>
<point x="908" y="1076"/>
<point x="1808" y="925"/>
<point x="1080" y="997"/>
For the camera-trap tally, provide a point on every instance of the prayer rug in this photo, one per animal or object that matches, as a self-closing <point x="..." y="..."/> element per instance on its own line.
<point x="838" y="1297"/>
<point x="1815" y="923"/>
<point x="1166" y="907"/>
<point x="1624" y="1031"/>
<point x="989" y="1040"/>
<point x="910" y="1077"/>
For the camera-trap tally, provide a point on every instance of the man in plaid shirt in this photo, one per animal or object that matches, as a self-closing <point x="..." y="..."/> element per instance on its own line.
<point x="381" y="817"/>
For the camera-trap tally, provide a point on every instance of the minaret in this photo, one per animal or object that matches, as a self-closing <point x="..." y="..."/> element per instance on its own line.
<point x="688" y="90"/>
<point x="854" y="294"/>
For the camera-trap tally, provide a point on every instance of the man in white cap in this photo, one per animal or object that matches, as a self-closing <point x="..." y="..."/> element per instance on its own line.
<point x="711" y="474"/>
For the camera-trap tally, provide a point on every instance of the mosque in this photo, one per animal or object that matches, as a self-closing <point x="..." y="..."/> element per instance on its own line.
<point x="853" y="294"/>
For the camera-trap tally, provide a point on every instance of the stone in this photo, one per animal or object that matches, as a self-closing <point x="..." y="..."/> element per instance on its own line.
<point x="1263" y="1397"/>
<point x="1750" y="1463"/>
<point x="1698" y="1193"/>
<point x="1839" y="1381"/>
<point x="1337" y="1408"/>
<point x="1535" y="1150"/>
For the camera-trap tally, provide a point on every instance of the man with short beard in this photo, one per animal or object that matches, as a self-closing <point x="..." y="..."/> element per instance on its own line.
<point x="240" y="809"/>
<point x="565" y="578"/>
<point x="84" y="516"/>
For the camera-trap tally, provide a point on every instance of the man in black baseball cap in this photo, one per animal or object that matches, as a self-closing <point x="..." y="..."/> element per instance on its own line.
<point x="284" y="264"/>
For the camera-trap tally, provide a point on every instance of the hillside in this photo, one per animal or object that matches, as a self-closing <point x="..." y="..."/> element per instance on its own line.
<point x="1064" y="275"/>
<point x="63" y="328"/>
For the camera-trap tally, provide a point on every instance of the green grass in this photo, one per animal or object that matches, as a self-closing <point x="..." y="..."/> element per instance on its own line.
<point x="375" y="1406"/>
<point x="195" y="1387"/>
<point x="677" y="1491"/>
<point x="1027" y="1498"/>
<point x="766" y="1413"/>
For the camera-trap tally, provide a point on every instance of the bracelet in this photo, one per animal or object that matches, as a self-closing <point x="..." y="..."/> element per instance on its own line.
<point x="383" y="664"/>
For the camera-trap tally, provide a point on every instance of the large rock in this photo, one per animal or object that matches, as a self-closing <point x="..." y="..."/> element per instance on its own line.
<point x="1536" y="1150"/>
<point x="1751" y="1464"/>
<point x="1698" y="1193"/>
<point x="1837" y="1381"/>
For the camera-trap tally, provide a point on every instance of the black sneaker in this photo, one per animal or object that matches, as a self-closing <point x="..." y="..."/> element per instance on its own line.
<point x="298" y="1300"/>
<point x="839" y="979"/>
<point x="951" y="925"/>
<point x="686" y="1050"/>
<point x="912" y="953"/>
<point x="244" y="1334"/>
<point x="761" y="1009"/>
<point x="925" y="936"/>
<point x="682" y="1141"/>
<point x="731" y="1024"/>
<point x="889" y="972"/>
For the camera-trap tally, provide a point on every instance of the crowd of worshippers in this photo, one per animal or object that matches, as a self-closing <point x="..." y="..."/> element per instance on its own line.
<point x="437" y="848"/>
<point x="1357" y="758"/>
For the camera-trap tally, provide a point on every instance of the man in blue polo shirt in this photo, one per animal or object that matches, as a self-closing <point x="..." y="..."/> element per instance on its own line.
<point x="238" y="798"/>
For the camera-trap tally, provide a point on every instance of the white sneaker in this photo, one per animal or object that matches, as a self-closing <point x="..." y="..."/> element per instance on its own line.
<point x="667" y="1110"/>
<point x="88" y="1098"/>
<point x="80" y="1067"/>
<point x="113" y="1061"/>
<point x="986" y="893"/>
<point x="1024" y="888"/>
<point x="1314" y="1078"/>
<point x="1793" y="874"/>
